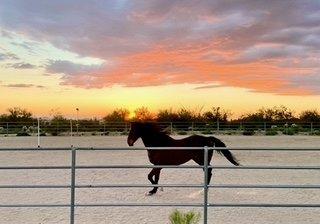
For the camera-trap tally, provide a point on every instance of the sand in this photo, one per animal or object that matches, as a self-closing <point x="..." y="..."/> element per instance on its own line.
<point x="157" y="215"/>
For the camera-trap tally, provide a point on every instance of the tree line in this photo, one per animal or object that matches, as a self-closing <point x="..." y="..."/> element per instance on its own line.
<point x="280" y="114"/>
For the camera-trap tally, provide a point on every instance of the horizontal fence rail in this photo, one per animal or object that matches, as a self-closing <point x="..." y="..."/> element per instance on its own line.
<point x="205" y="205"/>
<point x="99" y="127"/>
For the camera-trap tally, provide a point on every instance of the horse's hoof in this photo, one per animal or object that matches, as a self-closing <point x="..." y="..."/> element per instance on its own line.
<point x="149" y="193"/>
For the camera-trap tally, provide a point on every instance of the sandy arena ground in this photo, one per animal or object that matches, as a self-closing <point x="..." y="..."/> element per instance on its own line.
<point x="156" y="215"/>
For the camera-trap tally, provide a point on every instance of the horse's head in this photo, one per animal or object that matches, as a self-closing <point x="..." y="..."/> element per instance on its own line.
<point x="135" y="133"/>
<point x="140" y="129"/>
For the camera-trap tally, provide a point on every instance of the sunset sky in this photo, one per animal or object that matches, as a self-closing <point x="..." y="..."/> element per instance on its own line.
<point x="100" y="55"/>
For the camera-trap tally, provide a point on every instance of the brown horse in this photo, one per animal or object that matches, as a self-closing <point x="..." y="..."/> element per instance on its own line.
<point x="152" y="136"/>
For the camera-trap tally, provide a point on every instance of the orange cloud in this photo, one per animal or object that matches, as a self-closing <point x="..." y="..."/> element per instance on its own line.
<point x="162" y="65"/>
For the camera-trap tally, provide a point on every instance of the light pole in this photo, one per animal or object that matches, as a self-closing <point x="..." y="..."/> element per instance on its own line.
<point x="218" y="115"/>
<point x="77" y="125"/>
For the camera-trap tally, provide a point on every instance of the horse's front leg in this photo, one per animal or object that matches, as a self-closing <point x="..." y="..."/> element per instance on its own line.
<point x="209" y="175"/>
<point x="154" y="172"/>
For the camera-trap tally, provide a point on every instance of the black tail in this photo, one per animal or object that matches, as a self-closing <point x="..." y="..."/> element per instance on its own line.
<point x="229" y="156"/>
<point x="225" y="152"/>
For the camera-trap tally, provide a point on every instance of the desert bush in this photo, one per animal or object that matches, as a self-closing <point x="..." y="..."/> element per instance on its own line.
<point x="248" y="132"/>
<point x="271" y="132"/>
<point x="182" y="133"/>
<point x="177" y="217"/>
<point x="23" y="134"/>
<point x="289" y="131"/>
<point x="124" y="133"/>
<point x="206" y="132"/>
<point x="315" y="132"/>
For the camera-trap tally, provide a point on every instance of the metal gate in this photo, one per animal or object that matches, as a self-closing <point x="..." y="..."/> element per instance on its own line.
<point x="205" y="205"/>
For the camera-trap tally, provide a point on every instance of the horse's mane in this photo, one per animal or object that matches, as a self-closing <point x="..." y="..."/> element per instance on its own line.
<point x="153" y="127"/>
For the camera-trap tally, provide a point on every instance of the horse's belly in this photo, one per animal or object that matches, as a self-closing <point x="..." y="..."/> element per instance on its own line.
<point x="169" y="158"/>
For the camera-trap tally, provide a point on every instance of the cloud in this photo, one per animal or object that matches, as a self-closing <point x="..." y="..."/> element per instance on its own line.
<point x="68" y="67"/>
<point x="20" y="85"/>
<point x="209" y="86"/>
<point x="245" y="43"/>
<point x="8" y="56"/>
<point x="20" y="65"/>
<point x="310" y="82"/>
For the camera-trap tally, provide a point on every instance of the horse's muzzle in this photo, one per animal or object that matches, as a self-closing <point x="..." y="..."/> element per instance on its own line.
<point x="130" y="142"/>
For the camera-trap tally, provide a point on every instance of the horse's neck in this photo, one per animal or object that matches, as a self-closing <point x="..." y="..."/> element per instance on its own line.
<point x="156" y="140"/>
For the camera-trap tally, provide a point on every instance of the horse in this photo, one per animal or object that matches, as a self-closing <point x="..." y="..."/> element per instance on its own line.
<point x="153" y="136"/>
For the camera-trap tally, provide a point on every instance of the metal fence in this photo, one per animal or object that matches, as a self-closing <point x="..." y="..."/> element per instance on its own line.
<point x="205" y="205"/>
<point x="121" y="128"/>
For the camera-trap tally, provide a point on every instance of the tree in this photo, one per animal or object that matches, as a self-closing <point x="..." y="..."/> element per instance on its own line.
<point x="58" y="123"/>
<point x="282" y="113"/>
<point x="143" y="114"/>
<point x="310" y="116"/>
<point x="118" y="115"/>
<point x="17" y="114"/>
<point x="277" y="114"/>
<point x="167" y="116"/>
<point x="216" y="114"/>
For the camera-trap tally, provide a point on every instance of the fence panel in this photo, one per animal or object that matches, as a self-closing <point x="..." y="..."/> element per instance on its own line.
<point x="205" y="205"/>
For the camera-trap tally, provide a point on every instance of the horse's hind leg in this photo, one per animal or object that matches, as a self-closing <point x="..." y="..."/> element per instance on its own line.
<point x="200" y="161"/>
<point x="154" y="172"/>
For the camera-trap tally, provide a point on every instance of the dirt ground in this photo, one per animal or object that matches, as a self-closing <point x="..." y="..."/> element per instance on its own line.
<point x="158" y="215"/>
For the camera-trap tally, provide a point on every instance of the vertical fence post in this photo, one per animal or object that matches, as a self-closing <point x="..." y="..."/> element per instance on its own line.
<point x="73" y="182"/>
<point x="265" y="126"/>
<point x="218" y="125"/>
<point x="311" y="127"/>
<point x="71" y="133"/>
<point x="7" y="129"/>
<point x="171" y="128"/>
<point x="38" y="132"/>
<point x="205" y="187"/>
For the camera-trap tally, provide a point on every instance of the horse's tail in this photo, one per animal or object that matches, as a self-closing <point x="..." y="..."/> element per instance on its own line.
<point x="229" y="156"/>
<point x="226" y="152"/>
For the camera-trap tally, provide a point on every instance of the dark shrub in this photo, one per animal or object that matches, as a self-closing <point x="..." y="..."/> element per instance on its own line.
<point x="206" y="132"/>
<point x="271" y="132"/>
<point x="23" y="134"/>
<point x="316" y="132"/>
<point x="124" y="133"/>
<point x="248" y="132"/>
<point x="182" y="133"/>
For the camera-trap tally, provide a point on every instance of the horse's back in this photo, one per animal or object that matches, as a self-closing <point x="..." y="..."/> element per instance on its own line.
<point x="199" y="141"/>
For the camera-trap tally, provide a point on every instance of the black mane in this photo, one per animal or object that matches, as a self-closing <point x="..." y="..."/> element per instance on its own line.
<point x="150" y="128"/>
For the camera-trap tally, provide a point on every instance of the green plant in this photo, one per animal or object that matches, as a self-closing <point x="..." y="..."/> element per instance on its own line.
<point x="316" y="132"/>
<point x="177" y="217"/>
<point x="124" y="133"/>
<point x="271" y="132"/>
<point x="182" y="133"/>
<point x="289" y="131"/>
<point x="206" y="132"/>
<point x="248" y="132"/>
<point x="23" y="134"/>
